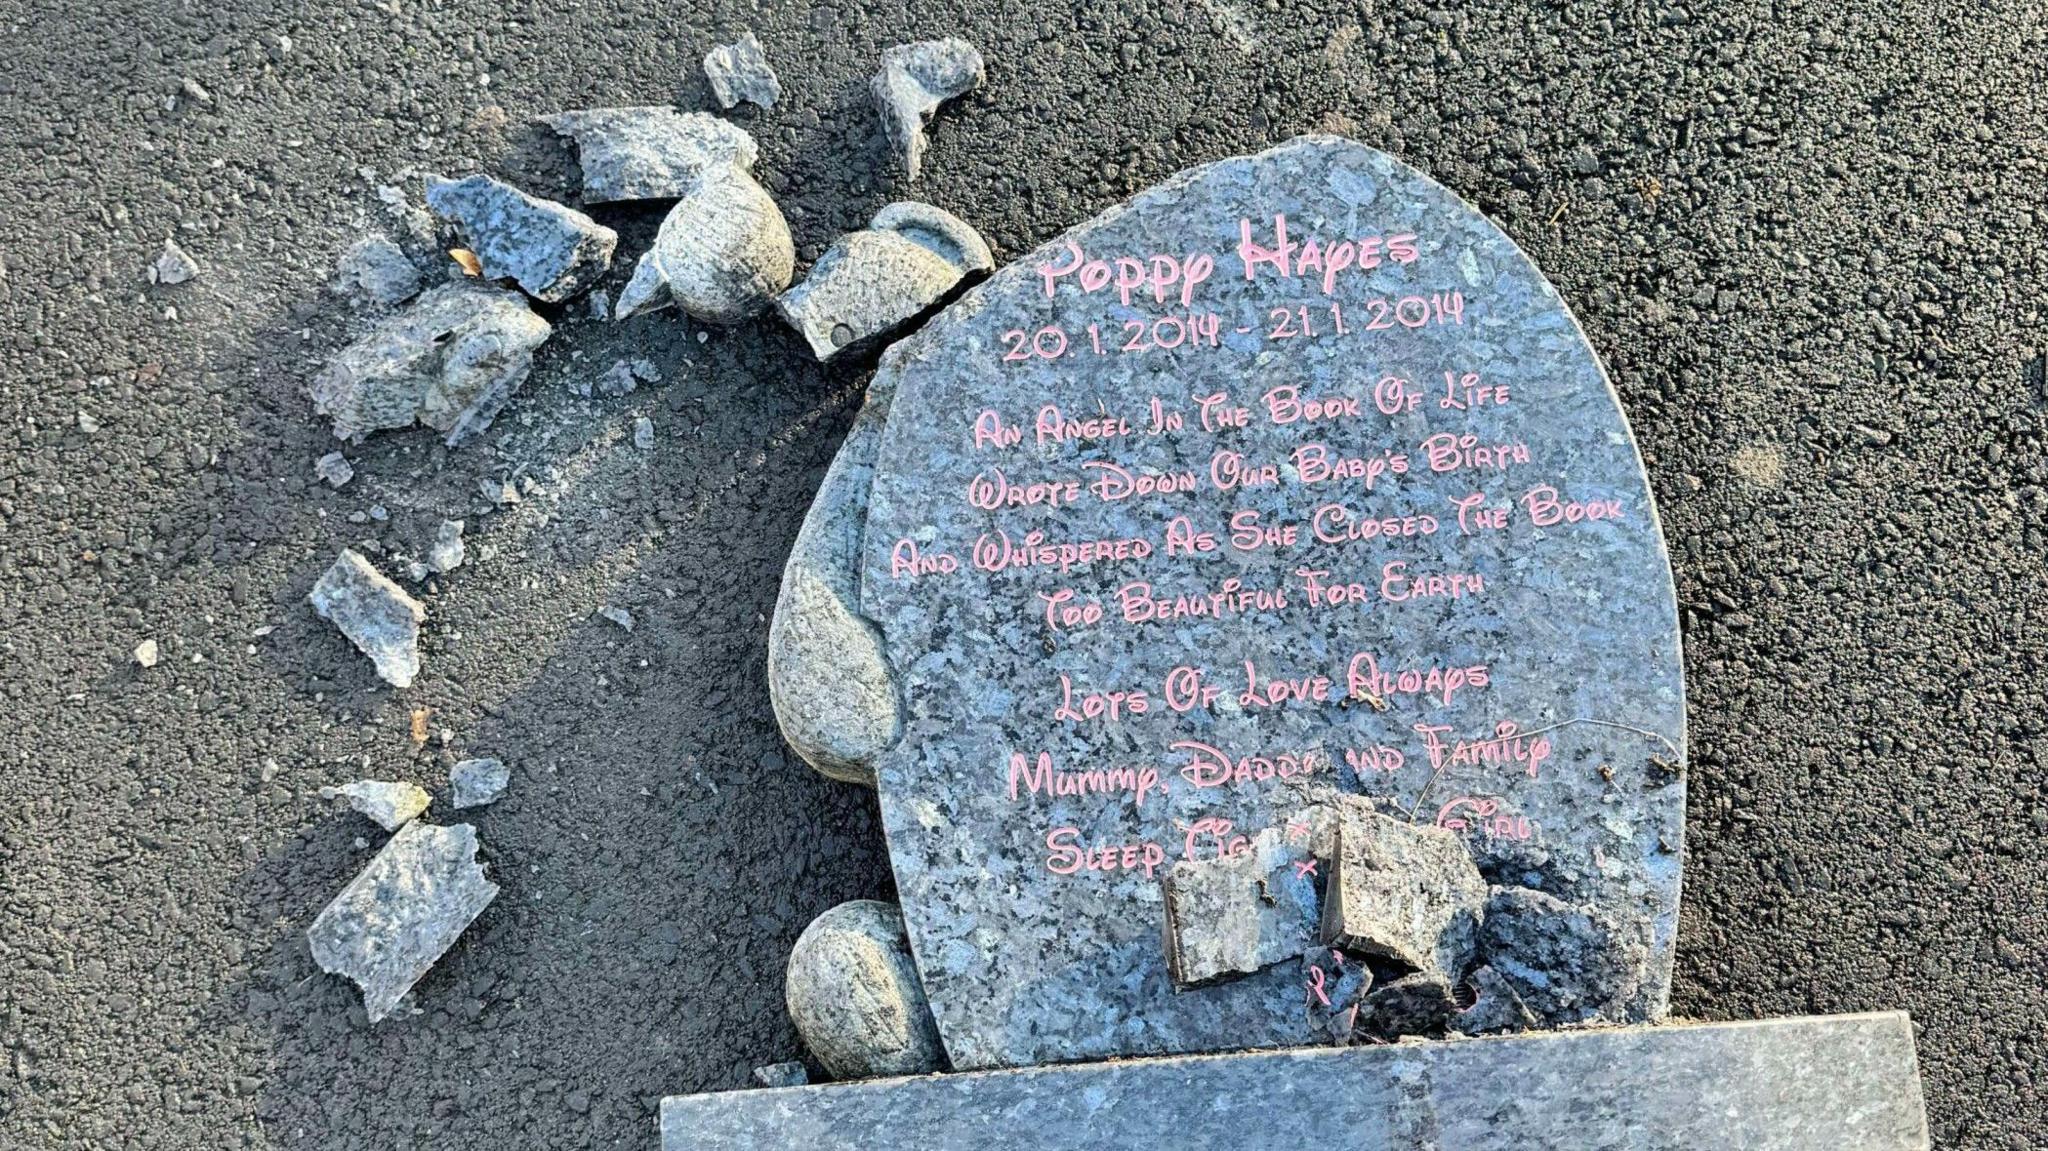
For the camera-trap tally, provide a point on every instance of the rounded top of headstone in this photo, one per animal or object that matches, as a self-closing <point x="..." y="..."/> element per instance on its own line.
<point x="1289" y="479"/>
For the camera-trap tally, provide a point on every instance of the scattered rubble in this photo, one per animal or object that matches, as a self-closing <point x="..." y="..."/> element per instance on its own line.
<point x="853" y="992"/>
<point x="739" y="71"/>
<point x="1495" y="1009"/>
<point x="551" y="251"/>
<point x="503" y="493"/>
<point x="449" y="361"/>
<point x="374" y="613"/>
<point x="1335" y="985"/>
<point x="402" y="913"/>
<point x="621" y="378"/>
<point x="445" y="555"/>
<point x="334" y="468"/>
<point x="478" y="782"/>
<point x="782" y="1075"/>
<point x="723" y="253"/>
<point x="910" y="258"/>
<point x="391" y="805"/>
<point x="147" y="653"/>
<point x="649" y="152"/>
<point x="1569" y="964"/>
<point x="643" y="433"/>
<point x="1418" y="1004"/>
<point x="173" y="266"/>
<point x="915" y="79"/>
<point x="374" y="270"/>
<point x="1406" y="893"/>
<point x="1237" y="914"/>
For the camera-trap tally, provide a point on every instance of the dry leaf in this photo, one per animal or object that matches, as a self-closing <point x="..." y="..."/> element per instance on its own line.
<point x="471" y="266"/>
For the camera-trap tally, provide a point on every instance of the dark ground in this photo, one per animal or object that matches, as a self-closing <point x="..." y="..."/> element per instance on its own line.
<point x="1807" y="239"/>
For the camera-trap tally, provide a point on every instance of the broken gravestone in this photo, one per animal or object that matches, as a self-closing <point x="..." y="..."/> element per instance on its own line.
<point x="374" y="613"/>
<point x="1290" y="480"/>
<point x="396" y="918"/>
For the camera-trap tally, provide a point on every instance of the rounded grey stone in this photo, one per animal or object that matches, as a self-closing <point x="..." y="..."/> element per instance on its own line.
<point x="853" y="992"/>
<point x="722" y="254"/>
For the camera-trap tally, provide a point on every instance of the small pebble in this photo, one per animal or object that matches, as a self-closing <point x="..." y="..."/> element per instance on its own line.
<point x="618" y="615"/>
<point x="334" y="468"/>
<point x="173" y="266"/>
<point x="643" y="433"/>
<point x="146" y="653"/>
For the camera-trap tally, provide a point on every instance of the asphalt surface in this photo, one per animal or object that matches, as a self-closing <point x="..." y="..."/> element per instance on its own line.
<point x="1807" y="239"/>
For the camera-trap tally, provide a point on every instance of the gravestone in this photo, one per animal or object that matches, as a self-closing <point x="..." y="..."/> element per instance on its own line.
<point x="1290" y="479"/>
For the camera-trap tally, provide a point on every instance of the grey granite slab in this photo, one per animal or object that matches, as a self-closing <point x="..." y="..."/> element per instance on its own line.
<point x="1061" y="558"/>
<point x="1810" y="1084"/>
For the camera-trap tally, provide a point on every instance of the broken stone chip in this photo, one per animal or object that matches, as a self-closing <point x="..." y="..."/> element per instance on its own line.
<point x="910" y="258"/>
<point x="173" y="265"/>
<point x="477" y="782"/>
<point x="650" y="152"/>
<point x="374" y="613"/>
<point x="446" y="553"/>
<point x="915" y="79"/>
<point x="449" y="361"/>
<point x="1235" y="915"/>
<point x="1406" y="893"/>
<point x="1335" y="984"/>
<point x="1495" y="1008"/>
<point x="739" y="71"/>
<point x="1569" y="964"/>
<point x="853" y="992"/>
<point x="391" y="805"/>
<point x="1417" y="1004"/>
<point x="390" y="925"/>
<point x="551" y="251"/>
<point x="374" y="270"/>
<point x="791" y="1074"/>
<point x="334" y="468"/>
<point x="722" y="253"/>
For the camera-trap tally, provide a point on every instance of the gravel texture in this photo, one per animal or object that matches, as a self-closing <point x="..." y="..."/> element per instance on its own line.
<point x="1805" y="240"/>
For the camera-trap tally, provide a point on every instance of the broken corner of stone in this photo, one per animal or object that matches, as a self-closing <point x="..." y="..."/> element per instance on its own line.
<point x="828" y="676"/>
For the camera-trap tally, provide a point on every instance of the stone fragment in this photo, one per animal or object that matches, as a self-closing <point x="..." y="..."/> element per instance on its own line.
<point x="600" y="306"/>
<point x="869" y="283"/>
<point x="651" y="152"/>
<point x="551" y="251"/>
<point x="87" y="424"/>
<point x="446" y="552"/>
<point x="277" y="46"/>
<point x="915" y="79"/>
<point x="391" y="805"/>
<point x="374" y="270"/>
<point x="1335" y="984"/>
<point x="503" y="493"/>
<point x="449" y="361"/>
<point x="403" y="912"/>
<point x="1418" y="1004"/>
<point x="643" y="433"/>
<point x="1569" y="964"/>
<point x="852" y="991"/>
<point x="618" y="615"/>
<point x="1495" y="1008"/>
<point x="173" y="266"/>
<point x="1237" y="914"/>
<point x="1406" y="893"/>
<point x="334" y="468"/>
<point x="722" y="254"/>
<point x="374" y="613"/>
<point x="477" y="782"/>
<point x="739" y="71"/>
<point x="828" y="678"/>
<point x="147" y="653"/>
<point x="792" y="1074"/>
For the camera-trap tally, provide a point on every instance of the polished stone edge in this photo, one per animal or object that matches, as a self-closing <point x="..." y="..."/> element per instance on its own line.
<point x="1844" y="1081"/>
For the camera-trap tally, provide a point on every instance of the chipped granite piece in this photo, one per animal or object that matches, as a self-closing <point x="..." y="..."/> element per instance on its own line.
<point x="852" y="991"/>
<point x="391" y="805"/>
<point x="1569" y="964"/>
<point x="407" y="907"/>
<point x="1406" y="893"/>
<point x="1416" y="1004"/>
<point x="551" y="251"/>
<point x="446" y="552"/>
<point x="1495" y="1008"/>
<point x="374" y="613"/>
<point x="722" y="254"/>
<point x="173" y="265"/>
<point x="914" y="80"/>
<point x="649" y="152"/>
<point x="375" y="270"/>
<point x="870" y="283"/>
<point x="1336" y="983"/>
<point x="450" y="361"/>
<point x="1236" y="914"/>
<point x="739" y="71"/>
<point x="791" y="1074"/>
<point x="828" y="680"/>
<point x="478" y="782"/>
<point x="334" y="469"/>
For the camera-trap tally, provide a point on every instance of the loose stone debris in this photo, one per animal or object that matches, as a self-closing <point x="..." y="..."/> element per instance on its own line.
<point x="334" y="468"/>
<point x="643" y="433"/>
<point x="622" y="377"/>
<point x="722" y="255"/>
<point x="1495" y="1009"/>
<point x="87" y="424"/>
<point x="449" y="361"/>
<point x="852" y="990"/>
<point x="402" y="913"/>
<point x="649" y="152"/>
<point x="173" y="266"/>
<point x="791" y="1074"/>
<point x="374" y="613"/>
<point x="915" y="79"/>
<point x="1335" y="985"/>
<point x="375" y="270"/>
<point x="1407" y="893"/>
<point x="1418" y="1004"/>
<point x="503" y="493"/>
<point x="739" y="71"/>
<point x="551" y="251"/>
<point x="909" y="259"/>
<point x="477" y="782"/>
<point x="391" y="805"/>
<point x="1237" y="914"/>
<point x="1569" y="964"/>
<point x="446" y="553"/>
<point x="618" y="615"/>
<point x="146" y="653"/>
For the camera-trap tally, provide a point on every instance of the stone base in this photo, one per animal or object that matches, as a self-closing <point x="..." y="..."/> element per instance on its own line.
<point x="1846" y="1081"/>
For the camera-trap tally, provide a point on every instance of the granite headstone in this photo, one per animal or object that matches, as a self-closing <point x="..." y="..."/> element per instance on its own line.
<point x="1291" y="478"/>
